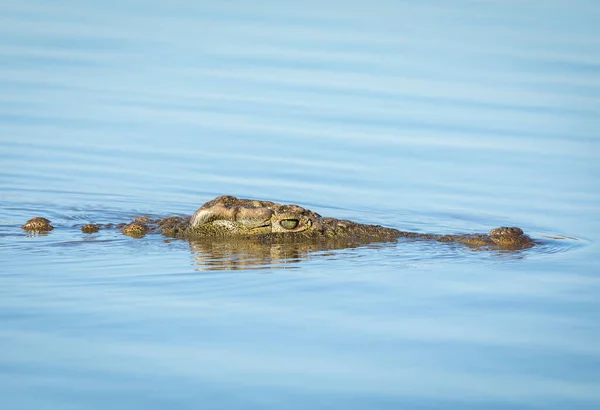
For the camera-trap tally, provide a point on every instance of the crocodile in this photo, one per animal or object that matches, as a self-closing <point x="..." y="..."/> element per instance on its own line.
<point x="228" y="218"/>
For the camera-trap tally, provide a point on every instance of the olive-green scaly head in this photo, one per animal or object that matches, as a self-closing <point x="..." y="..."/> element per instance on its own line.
<point x="228" y="215"/>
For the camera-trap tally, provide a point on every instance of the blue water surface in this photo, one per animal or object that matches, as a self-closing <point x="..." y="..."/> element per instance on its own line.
<point x="427" y="116"/>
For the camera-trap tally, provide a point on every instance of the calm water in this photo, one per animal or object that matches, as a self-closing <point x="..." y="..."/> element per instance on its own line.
<point x="428" y="116"/>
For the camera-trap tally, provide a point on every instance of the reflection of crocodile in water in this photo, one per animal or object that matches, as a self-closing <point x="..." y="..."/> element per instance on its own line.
<point x="228" y="218"/>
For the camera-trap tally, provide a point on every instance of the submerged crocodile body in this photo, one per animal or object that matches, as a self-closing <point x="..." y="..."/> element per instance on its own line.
<point x="228" y="218"/>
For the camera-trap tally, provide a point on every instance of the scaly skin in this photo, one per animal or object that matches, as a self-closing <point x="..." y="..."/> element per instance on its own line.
<point x="231" y="219"/>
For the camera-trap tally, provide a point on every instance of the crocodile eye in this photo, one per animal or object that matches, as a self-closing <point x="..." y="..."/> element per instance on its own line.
<point x="289" y="223"/>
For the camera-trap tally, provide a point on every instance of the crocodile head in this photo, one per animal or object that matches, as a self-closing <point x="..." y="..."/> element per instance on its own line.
<point x="230" y="216"/>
